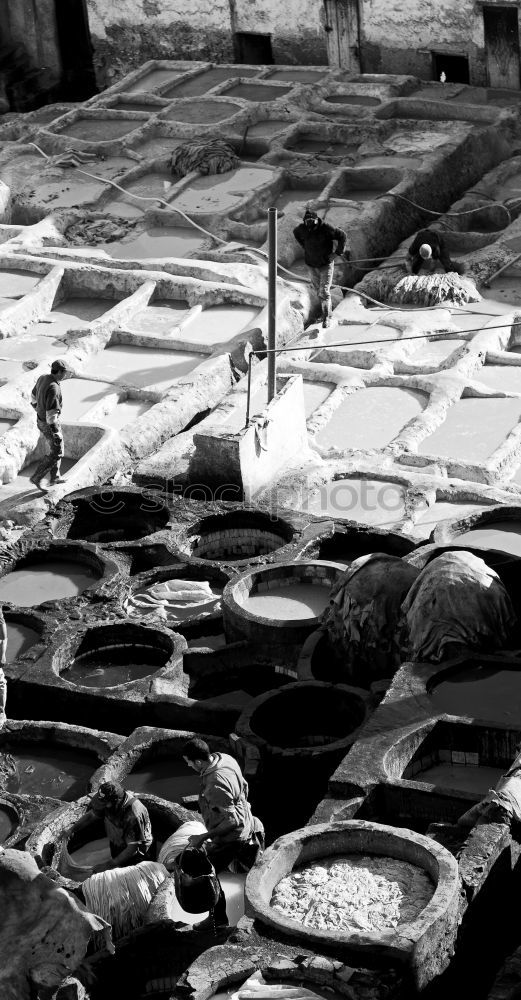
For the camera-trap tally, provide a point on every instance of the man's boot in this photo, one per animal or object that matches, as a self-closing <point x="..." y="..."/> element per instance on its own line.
<point x="326" y="318"/>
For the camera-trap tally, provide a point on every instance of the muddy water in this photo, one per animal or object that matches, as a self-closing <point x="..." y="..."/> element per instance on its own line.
<point x="473" y="429"/>
<point x="370" y="418"/>
<point x="95" y="852"/>
<point x="204" y="82"/>
<point x="363" y="100"/>
<point x="218" y="324"/>
<point x="156" y="241"/>
<point x="61" y="772"/>
<point x="150" y="81"/>
<point x="160" y="317"/>
<point x="86" y="309"/>
<point x="15" y="283"/>
<point x="125" y="413"/>
<point x="152" y="185"/>
<point x="221" y="193"/>
<point x="80" y="395"/>
<point x="367" y="501"/>
<point x="168" y="777"/>
<point x="7" y="825"/>
<point x="20" y="638"/>
<point x="465" y="777"/>
<point x="50" y="581"/>
<point x="297" y="75"/>
<point x="141" y="366"/>
<point x="324" y="146"/>
<point x="70" y="192"/>
<point x="101" y="129"/>
<point x="293" y="199"/>
<point x="504" y="377"/>
<point x="504" y="289"/>
<point x="269" y="128"/>
<point x="481" y="692"/>
<point x="203" y="112"/>
<point x="89" y="672"/>
<point x="126" y="209"/>
<point x="294" y="602"/>
<point x="257" y="92"/>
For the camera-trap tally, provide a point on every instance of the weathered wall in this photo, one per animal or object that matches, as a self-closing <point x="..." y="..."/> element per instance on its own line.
<point x="126" y="33"/>
<point x="397" y="36"/>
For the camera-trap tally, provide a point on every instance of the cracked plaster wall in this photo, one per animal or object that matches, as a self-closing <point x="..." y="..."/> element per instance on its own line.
<point x="398" y="36"/>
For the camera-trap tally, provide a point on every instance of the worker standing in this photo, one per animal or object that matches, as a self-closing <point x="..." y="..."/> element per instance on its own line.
<point x="3" y="661"/>
<point x="320" y="243"/>
<point x="46" y="399"/>
<point x="233" y="833"/>
<point x="428" y="251"/>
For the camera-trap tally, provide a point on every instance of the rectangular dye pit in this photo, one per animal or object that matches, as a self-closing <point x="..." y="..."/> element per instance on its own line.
<point x="436" y="352"/>
<point x="28" y="349"/>
<point x="125" y="413"/>
<point x="16" y="283"/>
<point x="473" y="429"/>
<point x="204" y="82"/>
<point x="81" y="394"/>
<point x="465" y="778"/>
<point x="257" y="92"/>
<point x="292" y="200"/>
<point x="370" y="418"/>
<point x="221" y="192"/>
<point x="79" y="312"/>
<point x="218" y="324"/>
<point x="367" y="501"/>
<point x="101" y="129"/>
<point x="297" y="75"/>
<point x="151" y="81"/>
<point x="442" y="511"/>
<point x="141" y="366"/>
<point x="506" y="378"/>
<point x="204" y="112"/>
<point x="159" y="318"/>
<point x="156" y="241"/>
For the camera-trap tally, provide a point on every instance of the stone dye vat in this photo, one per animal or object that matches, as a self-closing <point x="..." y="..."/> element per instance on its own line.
<point x="278" y="604"/>
<point x="473" y="429"/>
<point x="355" y="100"/>
<point x="488" y="690"/>
<point x="221" y="193"/>
<point x="234" y="537"/>
<point x="142" y="366"/>
<point x="424" y="941"/>
<point x="113" y="655"/>
<point x="257" y="92"/>
<point x="305" y="719"/>
<point x="117" y="516"/>
<point x="155" y="241"/>
<point x="496" y="529"/>
<point x="205" y="81"/>
<point x="9" y="820"/>
<point x="23" y="632"/>
<point x="202" y="112"/>
<point x="342" y="545"/>
<point x="167" y="777"/>
<point x="53" y="574"/>
<point x="369" y="501"/>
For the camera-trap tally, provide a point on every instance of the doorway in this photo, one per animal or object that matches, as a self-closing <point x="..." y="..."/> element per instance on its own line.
<point x="455" y="68"/>
<point x="502" y="47"/>
<point x="78" y="80"/>
<point x="342" y="33"/>
<point x="252" y="49"/>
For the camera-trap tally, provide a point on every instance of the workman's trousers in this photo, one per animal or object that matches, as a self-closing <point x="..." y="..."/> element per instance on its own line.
<point x="321" y="280"/>
<point x="246" y="853"/>
<point x="50" y="463"/>
<point x="3" y="694"/>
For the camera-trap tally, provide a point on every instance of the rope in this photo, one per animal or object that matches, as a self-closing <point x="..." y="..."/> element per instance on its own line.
<point x="451" y="215"/>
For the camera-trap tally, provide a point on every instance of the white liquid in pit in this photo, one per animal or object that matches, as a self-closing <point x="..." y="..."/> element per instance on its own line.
<point x="49" y="581"/>
<point x="367" y="501"/>
<point x="86" y="309"/>
<point x="507" y="378"/>
<point x="124" y="413"/>
<point x="5" y="424"/>
<point x="80" y="395"/>
<point x="28" y="349"/>
<point x="293" y="602"/>
<point x="221" y="192"/>
<point x="359" y="334"/>
<point x="141" y="366"/>
<point x="16" y="283"/>
<point x="446" y="512"/>
<point x="473" y="429"/>
<point x="218" y="324"/>
<point x="160" y="317"/>
<point x="502" y="535"/>
<point x="370" y="418"/>
<point x="155" y="241"/>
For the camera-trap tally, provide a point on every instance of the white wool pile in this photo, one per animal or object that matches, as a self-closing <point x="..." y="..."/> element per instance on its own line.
<point x="172" y="847"/>
<point x="355" y="893"/>
<point x="122" y="896"/>
<point x="431" y="289"/>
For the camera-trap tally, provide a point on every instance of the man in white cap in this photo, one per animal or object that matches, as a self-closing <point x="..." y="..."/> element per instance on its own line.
<point x="46" y="399"/>
<point x="428" y="252"/>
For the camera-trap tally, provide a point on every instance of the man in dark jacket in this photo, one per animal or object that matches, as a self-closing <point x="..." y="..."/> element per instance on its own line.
<point x="233" y="833"/>
<point x="318" y="239"/>
<point x="46" y="399"/>
<point x="3" y="661"/>
<point x="428" y="251"/>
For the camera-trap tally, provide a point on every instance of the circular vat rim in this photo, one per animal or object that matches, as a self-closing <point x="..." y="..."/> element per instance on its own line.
<point x="290" y="537"/>
<point x="245" y="730"/>
<point x="238" y="611"/>
<point x="67" y="510"/>
<point x="447" y="532"/>
<point x="15" y="814"/>
<point x="22" y="553"/>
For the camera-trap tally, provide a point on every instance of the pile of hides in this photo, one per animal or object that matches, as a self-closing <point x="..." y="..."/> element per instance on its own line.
<point x="173" y="601"/>
<point x="456" y="599"/>
<point x="122" y="896"/>
<point x="431" y="289"/>
<point x="175" y="844"/>
<point x="256" y="988"/>
<point x="208" y="156"/>
<point x="90" y="232"/>
<point x="363" y="614"/>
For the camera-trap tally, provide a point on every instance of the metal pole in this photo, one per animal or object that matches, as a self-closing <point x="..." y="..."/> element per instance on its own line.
<point x="248" y="397"/>
<point x="272" y="299"/>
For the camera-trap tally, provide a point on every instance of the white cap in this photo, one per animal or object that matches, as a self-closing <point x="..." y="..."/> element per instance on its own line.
<point x="425" y="251"/>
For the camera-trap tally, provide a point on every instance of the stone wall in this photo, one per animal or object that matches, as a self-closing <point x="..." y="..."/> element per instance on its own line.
<point x="398" y="36"/>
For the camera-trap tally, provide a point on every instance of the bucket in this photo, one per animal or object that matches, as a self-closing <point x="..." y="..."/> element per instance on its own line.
<point x="196" y="884"/>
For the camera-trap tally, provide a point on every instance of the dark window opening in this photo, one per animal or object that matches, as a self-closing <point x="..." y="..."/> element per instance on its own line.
<point x="253" y="49"/>
<point x="455" y="68"/>
<point x="78" y="79"/>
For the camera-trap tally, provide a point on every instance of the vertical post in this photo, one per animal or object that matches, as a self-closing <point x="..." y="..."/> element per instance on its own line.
<point x="272" y="299"/>
<point x="248" y="396"/>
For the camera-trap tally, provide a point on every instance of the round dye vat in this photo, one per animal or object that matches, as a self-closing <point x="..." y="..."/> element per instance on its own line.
<point x="203" y="112"/>
<point x="289" y="601"/>
<point x="167" y="777"/>
<point x="53" y="580"/>
<point x="306" y="715"/>
<point x="504" y="536"/>
<point x="480" y="691"/>
<point x="8" y="823"/>
<point x="115" y="516"/>
<point x="20" y="638"/>
<point x="235" y="536"/>
<point x="95" y="669"/>
<point x="361" y="100"/>
<point x="60" y="772"/>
